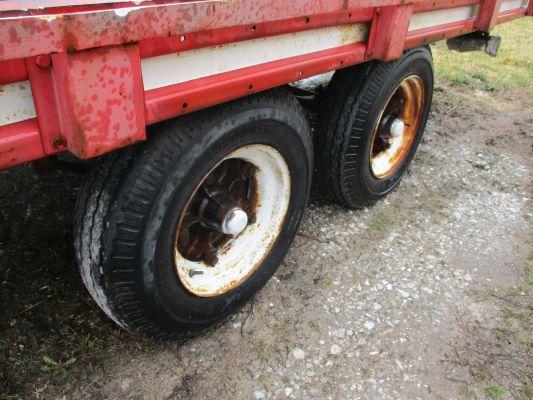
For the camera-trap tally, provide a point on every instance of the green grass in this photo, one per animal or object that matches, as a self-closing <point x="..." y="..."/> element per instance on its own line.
<point x="513" y="67"/>
<point x="467" y="393"/>
<point x="261" y="351"/>
<point x="495" y="390"/>
<point x="380" y="225"/>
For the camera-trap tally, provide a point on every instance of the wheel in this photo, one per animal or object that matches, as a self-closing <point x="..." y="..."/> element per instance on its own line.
<point x="178" y="232"/>
<point x="373" y="117"/>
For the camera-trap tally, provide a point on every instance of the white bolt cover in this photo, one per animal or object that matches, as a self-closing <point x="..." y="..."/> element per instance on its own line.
<point x="396" y="128"/>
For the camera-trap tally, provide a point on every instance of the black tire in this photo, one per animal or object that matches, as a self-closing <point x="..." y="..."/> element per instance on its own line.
<point x="350" y="110"/>
<point x="130" y="203"/>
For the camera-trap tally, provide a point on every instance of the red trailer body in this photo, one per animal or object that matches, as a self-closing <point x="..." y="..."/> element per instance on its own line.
<point x="178" y="232"/>
<point x="87" y="77"/>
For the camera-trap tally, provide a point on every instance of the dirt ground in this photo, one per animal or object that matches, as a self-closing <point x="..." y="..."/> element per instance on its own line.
<point x="427" y="295"/>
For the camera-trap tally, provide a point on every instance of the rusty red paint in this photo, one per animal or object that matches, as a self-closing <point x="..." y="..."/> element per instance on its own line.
<point x="388" y="32"/>
<point x="100" y="99"/>
<point x="487" y="14"/>
<point x="60" y="32"/>
<point x="18" y="8"/>
<point x="39" y="5"/>
<point x="46" y="107"/>
<point x="13" y="71"/>
<point x="422" y="6"/>
<point x="195" y="40"/>
<point x="19" y="143"/>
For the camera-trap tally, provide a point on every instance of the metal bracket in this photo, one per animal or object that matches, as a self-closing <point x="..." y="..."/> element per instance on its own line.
<point x="475" y="41"/>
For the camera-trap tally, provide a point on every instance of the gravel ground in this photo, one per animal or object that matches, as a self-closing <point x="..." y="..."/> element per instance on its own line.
<point x="427" y="295"/>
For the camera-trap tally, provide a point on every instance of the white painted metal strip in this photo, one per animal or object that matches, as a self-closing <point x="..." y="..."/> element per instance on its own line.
<point x="16" y="103"/>
<point x="507" y="5"/>
<point x="181" y="67"/>
<point x="439" y="17"/>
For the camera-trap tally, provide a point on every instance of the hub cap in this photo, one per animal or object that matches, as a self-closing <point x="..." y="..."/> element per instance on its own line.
<point x="235" y="222"/>
<point x="397" y="127"/>
<point x="232" y="220"/>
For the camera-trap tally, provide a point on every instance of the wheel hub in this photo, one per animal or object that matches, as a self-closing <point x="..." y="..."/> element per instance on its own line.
<point x="221" y="208"/>
<point x="232" y="220"/>
<point x="397" y="127"/>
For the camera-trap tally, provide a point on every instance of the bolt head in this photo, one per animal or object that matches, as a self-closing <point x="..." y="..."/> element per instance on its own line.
<point x="235" y="222"/>
<point x="59" y="142"/>
<point x="43" y="61"/>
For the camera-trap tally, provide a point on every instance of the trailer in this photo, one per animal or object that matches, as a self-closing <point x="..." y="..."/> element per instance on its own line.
<point x="201" y="155"/>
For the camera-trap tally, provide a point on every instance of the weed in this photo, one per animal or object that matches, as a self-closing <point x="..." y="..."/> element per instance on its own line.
<point x="286" y="331"/>
<point x="479" y="375"/>
<point x="467" y="393"/>
<point x="51" y="366"/>
<point x="79" y="319"/>
<point x="502" y="334"/>
<point x="313" y="325"/>
<point x="149" y="348"/>
<point x="260" y="350"/>
<point x="381" y="224"/>
<point x="495" y="390"/>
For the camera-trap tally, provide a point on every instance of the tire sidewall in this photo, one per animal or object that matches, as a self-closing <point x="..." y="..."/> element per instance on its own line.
<point x="417" y="62"/>
<point x="166" y="298"/>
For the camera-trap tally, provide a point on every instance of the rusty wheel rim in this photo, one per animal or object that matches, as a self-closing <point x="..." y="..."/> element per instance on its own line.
<point x="397" y="127"/>
<point x="231" y="220"/>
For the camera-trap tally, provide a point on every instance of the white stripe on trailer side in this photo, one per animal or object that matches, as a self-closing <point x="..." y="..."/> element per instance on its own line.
<point x="507" y="5"/>
<point x="170" y="69"/>
<point x="16" y="103"/>
<point x="430" y="19"/>
<point x="440" y="17"/>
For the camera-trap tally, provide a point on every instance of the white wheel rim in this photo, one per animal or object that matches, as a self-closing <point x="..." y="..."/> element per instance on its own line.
<point x="242" y="255"/>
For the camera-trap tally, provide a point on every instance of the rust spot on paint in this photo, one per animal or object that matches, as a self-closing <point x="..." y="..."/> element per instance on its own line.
<point x="59" y="142"/>
<point x="14" y="37"/>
